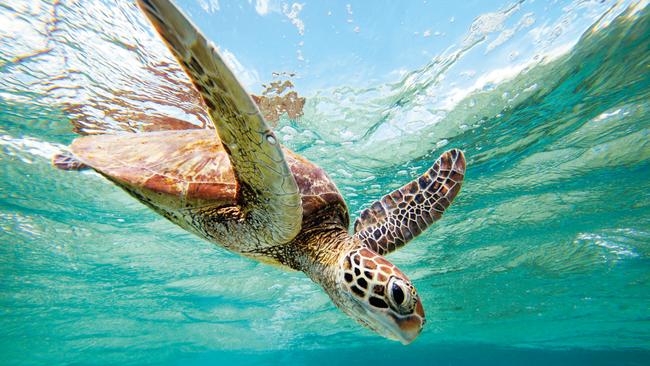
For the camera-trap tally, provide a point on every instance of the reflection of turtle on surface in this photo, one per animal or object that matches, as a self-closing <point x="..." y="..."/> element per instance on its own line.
<point x="239" y="188"/>
<point x="278" y="99"/>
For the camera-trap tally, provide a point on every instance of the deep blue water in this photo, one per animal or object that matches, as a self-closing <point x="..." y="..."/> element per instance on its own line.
<point x="544" y="258"/>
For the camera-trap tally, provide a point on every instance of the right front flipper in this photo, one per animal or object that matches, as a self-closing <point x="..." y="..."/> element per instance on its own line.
<point x="269" y="197"/>
<point x="403" y="214"/>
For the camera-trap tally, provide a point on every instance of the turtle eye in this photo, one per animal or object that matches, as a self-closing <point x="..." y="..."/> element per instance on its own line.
<point x="400" y="296"/>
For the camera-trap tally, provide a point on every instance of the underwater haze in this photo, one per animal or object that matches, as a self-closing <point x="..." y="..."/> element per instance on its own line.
<point x="543" y="258"/>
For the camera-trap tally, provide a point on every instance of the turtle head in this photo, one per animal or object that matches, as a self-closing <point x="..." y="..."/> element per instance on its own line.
<point x="379" y="296"/>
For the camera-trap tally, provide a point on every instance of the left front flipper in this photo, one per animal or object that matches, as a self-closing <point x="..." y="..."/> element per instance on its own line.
<point x="400" y="216"/>
<point x="269" y="209"/>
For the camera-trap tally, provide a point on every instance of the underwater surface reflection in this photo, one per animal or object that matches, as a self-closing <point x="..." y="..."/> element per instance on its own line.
<point x="543" y="257"/>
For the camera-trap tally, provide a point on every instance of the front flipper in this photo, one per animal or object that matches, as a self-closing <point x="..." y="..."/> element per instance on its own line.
<point x="269" y="199"/>
<point x="405" y="213"/>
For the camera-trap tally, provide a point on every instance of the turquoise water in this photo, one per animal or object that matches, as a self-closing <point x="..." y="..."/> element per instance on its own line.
<point x="544" y="258"/>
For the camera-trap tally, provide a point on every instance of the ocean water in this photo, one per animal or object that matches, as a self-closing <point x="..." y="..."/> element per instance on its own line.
<point x="544" y="257"/>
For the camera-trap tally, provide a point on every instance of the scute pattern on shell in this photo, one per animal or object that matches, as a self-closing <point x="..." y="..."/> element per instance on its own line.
<point x="398" y="217"/>
<point x="191" y="169"/>
<point x="191" y="165"/>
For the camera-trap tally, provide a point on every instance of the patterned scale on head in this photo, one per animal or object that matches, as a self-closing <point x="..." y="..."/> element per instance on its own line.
<point x="384" y="298"/>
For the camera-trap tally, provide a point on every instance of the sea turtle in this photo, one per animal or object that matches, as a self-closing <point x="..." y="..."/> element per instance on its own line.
<point x="239" y="188"/>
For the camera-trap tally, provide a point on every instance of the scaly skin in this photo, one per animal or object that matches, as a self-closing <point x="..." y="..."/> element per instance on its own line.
<point x="359" y="281"/>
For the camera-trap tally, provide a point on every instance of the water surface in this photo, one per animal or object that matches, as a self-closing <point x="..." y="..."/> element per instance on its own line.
<point x="543" y="258"/>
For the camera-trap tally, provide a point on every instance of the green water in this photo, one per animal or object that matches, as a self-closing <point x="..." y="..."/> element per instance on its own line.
<point x="544" y="258"/>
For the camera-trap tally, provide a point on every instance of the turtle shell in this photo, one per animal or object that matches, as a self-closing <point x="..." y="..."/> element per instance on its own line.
<point x="180" y="169"/>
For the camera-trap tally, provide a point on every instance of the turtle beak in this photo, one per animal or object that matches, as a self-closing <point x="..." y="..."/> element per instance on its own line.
<point x="411" y="326"/>
<point x="400" y="328"/>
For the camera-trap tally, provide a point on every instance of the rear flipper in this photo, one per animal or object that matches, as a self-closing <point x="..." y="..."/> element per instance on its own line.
<point x="66" y="161"/>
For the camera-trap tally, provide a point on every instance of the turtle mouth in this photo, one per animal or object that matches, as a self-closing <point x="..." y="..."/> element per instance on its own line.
<point x="403" y="329"/>
<point x="409" y="328"/>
